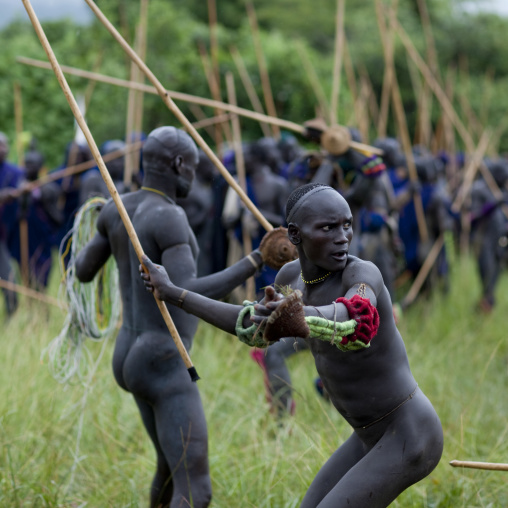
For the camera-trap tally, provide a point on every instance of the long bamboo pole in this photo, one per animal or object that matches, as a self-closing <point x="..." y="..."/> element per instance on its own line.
<point x="242" y="177"/>
<point x="387" y="41"/>
<point x="490" y="466"/>
<point x="249" y="88"/>
<point x="263" y="70"/>
<point x="134" y="122"/>
<point x="108" y="180"/>
<point x="400" y="117"/>
<point x="179" y="115"/>
<point x="71" y="170"/>
<point x="192" y="99"/>
<point x="23" y="222"/>
<point x="440" y="95"/>
<point x="424" y="271"/>
<point x="315" y="82"/>
<point x="337" y="61"/>
<point x="32" y="293"/>
<point x="470" y="172"/>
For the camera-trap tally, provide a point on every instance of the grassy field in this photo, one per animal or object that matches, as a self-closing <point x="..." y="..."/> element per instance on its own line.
<point x="82" y="444"/>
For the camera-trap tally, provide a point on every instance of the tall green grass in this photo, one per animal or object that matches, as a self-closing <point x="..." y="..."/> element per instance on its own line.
<point x="83" y="444"/>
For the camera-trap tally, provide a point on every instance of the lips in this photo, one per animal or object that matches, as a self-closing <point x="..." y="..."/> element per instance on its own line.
<point x="340" y="256"/>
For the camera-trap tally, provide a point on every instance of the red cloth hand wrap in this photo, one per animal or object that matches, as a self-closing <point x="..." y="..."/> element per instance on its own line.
<point x="365" y="314"/>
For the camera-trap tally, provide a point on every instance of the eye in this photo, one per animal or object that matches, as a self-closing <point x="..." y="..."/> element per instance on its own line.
<point x="327" y="228"/>
<point x="348" y="224"/>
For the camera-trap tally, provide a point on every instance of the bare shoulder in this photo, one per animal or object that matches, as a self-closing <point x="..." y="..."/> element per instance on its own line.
<point x="359" y="270"/>
<point x="165" y="221"/>
<point x="288" y="274"/>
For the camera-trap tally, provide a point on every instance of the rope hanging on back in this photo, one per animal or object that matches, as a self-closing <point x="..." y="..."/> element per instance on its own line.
<point x="94" y="307"/>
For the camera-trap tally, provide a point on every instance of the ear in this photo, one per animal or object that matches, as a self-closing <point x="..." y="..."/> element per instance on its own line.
<point x="177" y="163"/>
<point x="294" y="234"/>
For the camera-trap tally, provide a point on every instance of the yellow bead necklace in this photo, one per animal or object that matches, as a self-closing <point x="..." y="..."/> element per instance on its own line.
<point x="315" y="281"/>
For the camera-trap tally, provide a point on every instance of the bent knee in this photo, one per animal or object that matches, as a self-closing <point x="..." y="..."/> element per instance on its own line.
<point x="424" y="454"/>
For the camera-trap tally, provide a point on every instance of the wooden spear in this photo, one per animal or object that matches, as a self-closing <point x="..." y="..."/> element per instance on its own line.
<point x="403" y="128"/>
<point x="387" y="42"/>
<point x="242" y="177"/>
<point x="108" y="180"/>
<point x="166" y="94"/>
<point x="315" y="82"/>
<point x="179" y="115"/>
<point x="337" y="61"/>
<point x="23" y="221"/>
<point x="249" y="88"/>
<point x="32" y="293"/>
<point x="424" y="271"/>
<point x="71" y="170"/>
<point x="491" y="466"/>
<point x="263" y="71"/>
<point x="134" y="121"/>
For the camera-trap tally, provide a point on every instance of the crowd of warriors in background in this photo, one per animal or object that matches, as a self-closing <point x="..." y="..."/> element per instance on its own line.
<point x="380" y="191"/>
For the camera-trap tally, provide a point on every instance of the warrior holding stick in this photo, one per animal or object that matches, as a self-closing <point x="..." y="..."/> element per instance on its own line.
<point x="339" y="304"/>
<point x="146" y="362"/>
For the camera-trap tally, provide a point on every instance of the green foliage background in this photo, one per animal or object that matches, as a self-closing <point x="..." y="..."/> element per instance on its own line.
<point x="471" y="44"/>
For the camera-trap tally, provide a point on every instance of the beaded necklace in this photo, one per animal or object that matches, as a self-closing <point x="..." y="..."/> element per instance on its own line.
<point x="315" y="281"/>
<point x="149" y="189"/>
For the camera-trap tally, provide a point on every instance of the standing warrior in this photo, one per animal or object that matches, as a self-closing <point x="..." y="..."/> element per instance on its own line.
<point x="339" y="303"/>
<point x="146" y="361"/>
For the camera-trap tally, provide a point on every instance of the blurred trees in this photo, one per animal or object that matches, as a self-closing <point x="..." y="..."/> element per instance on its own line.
<point x="469" y="47"/>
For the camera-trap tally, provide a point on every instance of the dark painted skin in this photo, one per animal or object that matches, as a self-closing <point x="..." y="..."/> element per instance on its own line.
<point x="375" y="464"/>
<point x="146" y="361"/>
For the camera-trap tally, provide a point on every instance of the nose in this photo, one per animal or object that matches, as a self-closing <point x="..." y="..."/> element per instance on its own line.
<point x="342" y="236"/>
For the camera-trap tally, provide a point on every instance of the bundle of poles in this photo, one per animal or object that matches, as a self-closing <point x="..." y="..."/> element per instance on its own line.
<point x="226" y="112"/>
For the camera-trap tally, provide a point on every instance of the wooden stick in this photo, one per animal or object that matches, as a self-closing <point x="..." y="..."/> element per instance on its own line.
<point x="426" y="102"/>
<point x="490" y="466"/>
<point x="315" y="82"/>
<point x="134" y="120"/>
<point x="436" y="88"/>
<point x="31" y="293"/>
<point x="205" y="122"/>
<point x="166" y="95"/>
<point x="387" y="41"/>
<point x="424" y="271"/>
<point x="180" y="116"/>
<point x="71" y="170"/>
<point x="470" y="171"/>
<point x="23" y="222"/>
<point x="193" y="99"/>
<point x="249" y="88"/>
<point x="263" y="71"/>
<point x="18" y="115"/>
<point x="337" y="61"/>
<point x="403" y="129"/>
<point x="213" y="85"/>
<point x="108" y="180"/>
<point x="242" y="178"/>
<point x="351" y="81"/>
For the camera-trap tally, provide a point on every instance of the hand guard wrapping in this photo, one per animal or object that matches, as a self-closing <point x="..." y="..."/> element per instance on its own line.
<point x="365" y="314"/>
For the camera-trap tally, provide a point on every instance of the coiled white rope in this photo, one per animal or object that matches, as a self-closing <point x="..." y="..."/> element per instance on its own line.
<point x="94" y="307"/>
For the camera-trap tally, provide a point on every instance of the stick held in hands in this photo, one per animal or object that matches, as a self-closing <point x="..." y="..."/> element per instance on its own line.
<point x="107" y="178"/>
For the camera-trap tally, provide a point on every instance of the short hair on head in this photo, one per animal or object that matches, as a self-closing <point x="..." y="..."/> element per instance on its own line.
<point x="166" y="141"/>
<point x="298" y="193"/>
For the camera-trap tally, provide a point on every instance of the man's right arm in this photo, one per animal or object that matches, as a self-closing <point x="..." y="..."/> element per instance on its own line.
<point x="92" y="257"/>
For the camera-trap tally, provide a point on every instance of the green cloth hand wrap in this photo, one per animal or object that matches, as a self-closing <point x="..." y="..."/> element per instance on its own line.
<point x="333" y="332"/>
<point x="253" y="335"/>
